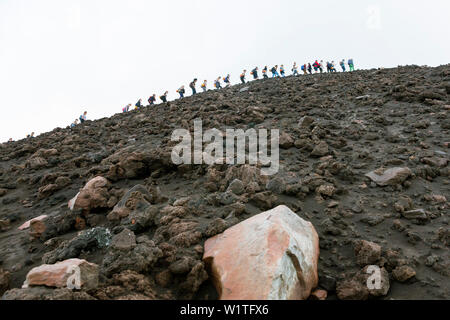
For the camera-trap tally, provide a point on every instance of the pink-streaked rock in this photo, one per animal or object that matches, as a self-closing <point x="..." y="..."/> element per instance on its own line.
<point x="71" y="273"/>
<point x="93" y="195"/>
<point x="27" y="224"/>
<point x="270" y="256"/>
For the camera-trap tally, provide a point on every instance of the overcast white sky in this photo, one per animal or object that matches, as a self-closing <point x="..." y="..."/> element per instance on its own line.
<point x="61" y="57"/>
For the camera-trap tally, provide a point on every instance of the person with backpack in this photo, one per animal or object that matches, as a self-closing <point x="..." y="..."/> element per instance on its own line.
<point x="309" y="68"/>
<point x="282" y="71"/>
<point x="138" y="104"/>
<point x="342" y="64"/>
<point x="294" y="69"/>
<point x="264" y="72"/>
<point x="217" y="83"/>
<point x="83" y="117"/>
<point x="181" y="92"/>
<point x="227" y="81"/>
<point x="304" y="69"/>
<point x="204" y="85"/>
<point x="274" y="71"/>
<point x="316" y="66"/>
<point x="321" y="66"/>
<point x="164" y="97"/>
<point x="351" y="66"/>
<point x="152" y="99"/>
<point x="333" y="67"/>
<point x="243" y="76"/>
<point x="192" y="86"/>
<point x="254" y="73"/>
<point x="126" y="108"/>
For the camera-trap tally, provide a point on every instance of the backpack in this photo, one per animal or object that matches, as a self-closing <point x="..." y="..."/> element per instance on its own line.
<point x="303" y="67"/>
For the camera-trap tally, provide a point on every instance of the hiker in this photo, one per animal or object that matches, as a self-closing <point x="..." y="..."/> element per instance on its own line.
<point x="74" y="123"/>
<point x="304" y="69"/>
<point x="181" y="92"/>
<point x="138" y="104"/>
<point x="204" y="85"/>
<point x="316" y="66"/>
<point x="321" y="66"/>
<point x="126" y="108"/>
<point x="192" y="86"/>
<point x="10" y="140"/>
<point x="282" y="71"/>
<point x="328" y="67"/>
<point x="227" y="80"/>
<point x="254" y="73"/>
<point x="294" y="69"/>
<point x="243" y="76"/>
<point x="274" y="71"/>
<point x="333" y="68"/>
<point x="351" y="66"/>
<point x="164" y="97"/>
<point x="342" y="63"/>
<point x="264" y="72"/>
<point x="83" y="117"/>
<point x="309" y="68"/>
<point x="217" y="83"/>
<point x="152" y="99"/>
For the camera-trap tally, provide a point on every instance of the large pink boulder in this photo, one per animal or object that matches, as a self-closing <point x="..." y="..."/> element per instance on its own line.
<point x="270" y="256"/>
<point x="93" y="195"/>
<point x="71" y="273"/>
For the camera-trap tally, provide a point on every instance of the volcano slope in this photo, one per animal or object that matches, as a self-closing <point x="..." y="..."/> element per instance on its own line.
<point x="334" y="129"/>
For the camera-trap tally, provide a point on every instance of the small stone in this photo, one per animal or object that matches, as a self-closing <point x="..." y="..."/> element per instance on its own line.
<point x="367" y="252"/>
<point x="403" y="273"/>
<point x="237" y="187"/>
<point x="326" y="189"/>
<point x="126" y="240"/>
<point x="318" y="294"/>
<point x="320" y="150"/>
<point x="352" y="290"/>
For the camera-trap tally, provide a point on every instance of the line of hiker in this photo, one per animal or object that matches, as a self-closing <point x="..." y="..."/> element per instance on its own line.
<point x="317" y="66"/>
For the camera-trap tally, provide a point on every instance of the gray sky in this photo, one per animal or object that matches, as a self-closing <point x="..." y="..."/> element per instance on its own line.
<point x="61" y="57"/>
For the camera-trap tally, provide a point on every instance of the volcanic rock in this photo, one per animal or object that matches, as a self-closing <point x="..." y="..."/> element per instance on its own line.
<point x="272" y="255"/>
<point x="389" y="177"/>
<point x="60" y="275"/>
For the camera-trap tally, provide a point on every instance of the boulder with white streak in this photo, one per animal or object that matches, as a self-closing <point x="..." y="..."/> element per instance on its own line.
<point x="71" y="273"/>
<point x="270" y="256"/>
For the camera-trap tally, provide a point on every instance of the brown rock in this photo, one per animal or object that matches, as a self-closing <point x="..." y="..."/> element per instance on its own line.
<point x="326" y="189"/>
<point x="352" y="290"/>
<point x="93" y="195"/>
<point x="318" y="294"/>
<point x="403" y="273"/>
<point x="286" y="141"/>
<point x="4" y="224"/>
<point x="37" y="227"/>
<point x="320" y="150"/>
<point x="3" y="192"/>
<point x="367" y="252"/>
<point x="4" y="281"/>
